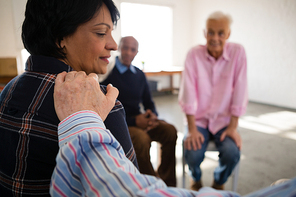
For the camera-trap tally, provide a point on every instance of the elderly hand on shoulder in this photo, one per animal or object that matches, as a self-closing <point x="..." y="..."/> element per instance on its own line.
<point x="76" y="91"/>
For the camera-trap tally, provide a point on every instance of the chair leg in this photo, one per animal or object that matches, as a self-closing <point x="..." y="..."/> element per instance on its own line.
<point x="183" y="166"/>
<point x="235" y="175"/>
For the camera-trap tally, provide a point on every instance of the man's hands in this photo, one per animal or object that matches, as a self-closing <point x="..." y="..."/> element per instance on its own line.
<point x="233" y="134"/>
<point x="231" y="131"/>
<point x="194" y="138"/>
<point x="147" y="121"/>
<point x="76" y="91"/>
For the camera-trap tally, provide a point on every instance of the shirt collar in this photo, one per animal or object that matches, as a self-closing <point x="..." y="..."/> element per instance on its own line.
<point x="45" y="64"/>
<point x="225" y="53"/>
<point x="122" y="68"/>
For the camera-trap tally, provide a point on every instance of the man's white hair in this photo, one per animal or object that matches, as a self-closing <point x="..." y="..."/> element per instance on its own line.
<point x="220" y="15"/>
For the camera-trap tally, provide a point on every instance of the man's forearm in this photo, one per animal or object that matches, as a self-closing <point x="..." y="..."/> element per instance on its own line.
<point x="191" y="122"/>
<point x="233" y="122"/>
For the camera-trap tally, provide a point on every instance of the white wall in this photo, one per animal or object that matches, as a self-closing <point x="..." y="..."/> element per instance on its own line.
<point x="7" y="30"/>
<point x="267" y="29"/>
<point x="11" y="18"/>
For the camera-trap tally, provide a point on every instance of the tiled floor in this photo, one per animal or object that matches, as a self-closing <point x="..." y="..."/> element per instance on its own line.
<point x="269" y="141"/>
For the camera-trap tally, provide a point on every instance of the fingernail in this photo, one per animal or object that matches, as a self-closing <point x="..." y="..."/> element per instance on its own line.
<point x="96" y="77"/>
<point x="110" y="84"/>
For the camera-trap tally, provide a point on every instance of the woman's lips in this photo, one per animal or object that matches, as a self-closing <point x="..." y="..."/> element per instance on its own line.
<point x="105" y="59"/>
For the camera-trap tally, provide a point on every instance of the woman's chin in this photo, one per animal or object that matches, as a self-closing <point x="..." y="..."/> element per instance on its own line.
<point x="102" y="72"/>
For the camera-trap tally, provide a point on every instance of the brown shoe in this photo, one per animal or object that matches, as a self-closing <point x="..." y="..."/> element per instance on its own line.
<point x="196" y="185"/>
<point x="217" y="186"/>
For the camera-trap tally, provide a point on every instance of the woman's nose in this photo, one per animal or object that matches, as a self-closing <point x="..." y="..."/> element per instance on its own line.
<point x="111" y="44"/>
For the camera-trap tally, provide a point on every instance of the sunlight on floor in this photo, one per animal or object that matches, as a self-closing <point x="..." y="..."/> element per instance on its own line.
<point x="278" y="123"/>
<point x="255" y="126"/>
<point x="290" y="135"/>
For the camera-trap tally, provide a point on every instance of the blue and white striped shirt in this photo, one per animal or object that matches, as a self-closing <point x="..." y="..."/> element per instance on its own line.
<point x="91" y="162"/>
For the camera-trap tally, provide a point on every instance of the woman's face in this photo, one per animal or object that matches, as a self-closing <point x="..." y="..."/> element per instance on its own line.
<point x="88" y="49"/>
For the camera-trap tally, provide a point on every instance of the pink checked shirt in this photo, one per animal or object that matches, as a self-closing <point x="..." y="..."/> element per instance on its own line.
<point x="214" y="90"/>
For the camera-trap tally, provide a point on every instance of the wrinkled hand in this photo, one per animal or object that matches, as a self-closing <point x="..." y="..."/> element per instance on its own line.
<point x="76" y="91"/>
<point x="147" y="120"/>
<point x="233" y="134"/>
<point x="194" y="139"/>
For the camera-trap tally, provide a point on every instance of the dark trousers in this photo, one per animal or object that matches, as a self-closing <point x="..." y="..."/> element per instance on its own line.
<point x="166" y="135"/>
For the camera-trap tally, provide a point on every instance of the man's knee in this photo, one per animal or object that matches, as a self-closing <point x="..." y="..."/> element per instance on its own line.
<point x="171" y="132"/>
<point x="234" y="157"/>
<point x="194" y="158"/>
<point x="230" y="153"/>
<point x="140" y="137"/>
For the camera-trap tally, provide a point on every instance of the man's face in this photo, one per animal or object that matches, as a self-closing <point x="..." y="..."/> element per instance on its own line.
<point x="128" y="49"/>
<point x="217" y="33"/>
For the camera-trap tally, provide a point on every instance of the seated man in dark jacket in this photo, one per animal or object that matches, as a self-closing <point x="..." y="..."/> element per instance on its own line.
<point x="143" y="127"/>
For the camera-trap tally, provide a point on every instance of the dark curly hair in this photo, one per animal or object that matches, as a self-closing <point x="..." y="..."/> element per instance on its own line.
<point x="47" y="22"/>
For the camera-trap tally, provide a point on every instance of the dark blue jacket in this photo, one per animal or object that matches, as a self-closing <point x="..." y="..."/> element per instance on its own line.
<point x="133" y="91"/>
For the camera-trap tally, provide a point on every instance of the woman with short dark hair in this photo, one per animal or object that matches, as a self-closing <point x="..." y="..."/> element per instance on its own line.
<point x="47" y="23"/>
<point x="61" y="35"/>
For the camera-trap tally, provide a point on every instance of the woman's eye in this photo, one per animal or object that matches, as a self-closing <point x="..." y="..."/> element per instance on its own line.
<point x="101" y="34"/>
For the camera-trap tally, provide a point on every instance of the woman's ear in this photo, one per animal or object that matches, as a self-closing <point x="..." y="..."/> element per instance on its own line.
<point x="61" y="44"/>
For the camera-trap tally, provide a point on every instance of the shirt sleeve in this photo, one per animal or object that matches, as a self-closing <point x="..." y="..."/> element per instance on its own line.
<point x="188" y="87"/>
<point x="131" y="120"/>
<point x="91" y="162"/>
<point x="240" y="87"/>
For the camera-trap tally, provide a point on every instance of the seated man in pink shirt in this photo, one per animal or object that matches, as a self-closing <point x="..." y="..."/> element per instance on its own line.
<point x="213" y="95"/>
